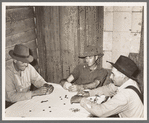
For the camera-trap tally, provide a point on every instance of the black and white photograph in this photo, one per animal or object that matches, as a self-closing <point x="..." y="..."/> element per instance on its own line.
<point x="74" y="61"/>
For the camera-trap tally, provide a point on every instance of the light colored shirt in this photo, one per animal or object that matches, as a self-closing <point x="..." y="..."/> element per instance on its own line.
<point x="125" y="102"/>
<point x="18" y="86"/>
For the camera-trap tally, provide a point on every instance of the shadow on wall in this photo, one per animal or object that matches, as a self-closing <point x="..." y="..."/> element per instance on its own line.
<point x="34" y="62"/>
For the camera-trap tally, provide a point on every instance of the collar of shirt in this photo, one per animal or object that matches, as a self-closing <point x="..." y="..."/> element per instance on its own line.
<point x="86" y="66"/>
<point x="127" y="83"/>
<point x="12" y="68"/>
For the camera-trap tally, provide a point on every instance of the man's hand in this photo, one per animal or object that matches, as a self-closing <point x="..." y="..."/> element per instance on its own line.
<point x="85" y="103"/>
<point x="76" y="99"/>
<point x="97" y="82"/>
<point x="39" y="92"/>
<point x="67" y="85"/>
<point x="92" y="85"/>
<point x="84" y="93"/>
<point x="75" y="88"/>
<point x="49" y="87"/>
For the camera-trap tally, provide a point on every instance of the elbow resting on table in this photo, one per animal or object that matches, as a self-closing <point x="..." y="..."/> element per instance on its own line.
<point x="15" y="96"/>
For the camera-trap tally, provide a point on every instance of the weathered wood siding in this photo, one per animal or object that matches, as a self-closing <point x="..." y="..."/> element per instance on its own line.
<point x="20" y="28"/>
<point x="62" y="33"/>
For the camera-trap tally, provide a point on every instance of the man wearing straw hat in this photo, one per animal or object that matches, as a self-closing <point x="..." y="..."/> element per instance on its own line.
<point x="126" y="98"/>
<point x="20" y="75"/>
<point x="87" y="75"/>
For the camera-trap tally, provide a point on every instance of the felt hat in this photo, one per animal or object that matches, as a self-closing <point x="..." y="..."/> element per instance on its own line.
<point x="90" y="51"/>
<point x="126" y="66"/>
<point x="21" y="53"/>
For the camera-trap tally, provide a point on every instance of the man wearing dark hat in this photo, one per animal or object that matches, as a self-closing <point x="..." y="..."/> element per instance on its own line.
<point x="126" y="100"/>
<point x="20" y="75"/>
<point x="87" y="75"/>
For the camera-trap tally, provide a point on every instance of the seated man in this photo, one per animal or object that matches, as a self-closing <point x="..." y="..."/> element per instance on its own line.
<point x="20" y="75"/>
<point x="87" y="75"/>
<point x="125" y="101"/>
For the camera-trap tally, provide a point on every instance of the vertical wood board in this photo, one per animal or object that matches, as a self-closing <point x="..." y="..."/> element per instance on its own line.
<point x="64" y="25"/>
<point x="99" y="30"/>
<point x="41" y="41"/>
<point x="81" y="31"/>
<point x="57" y="51"/>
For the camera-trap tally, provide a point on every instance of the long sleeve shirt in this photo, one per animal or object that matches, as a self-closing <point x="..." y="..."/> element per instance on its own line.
<point x="18" y="86"/>
<point x="125" y="102"/>
<point x="107" y="90"/>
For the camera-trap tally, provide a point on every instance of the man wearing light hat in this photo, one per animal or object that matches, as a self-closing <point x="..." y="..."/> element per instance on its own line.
<point x="126" y="99"/>
<point x="20" y="75"/>
<point x="87" y="75"/>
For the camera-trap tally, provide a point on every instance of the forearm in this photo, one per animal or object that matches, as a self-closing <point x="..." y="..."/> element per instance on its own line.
<point x="112" y="106"/>
<point x="33" y="93"/>
<point x="107" y="90"/>
<point x="39" y="82"/>
<point x="35" y="78"/>
<point x="62" y="82"/>
<point x="17" y="96"/>
<point x="66" y="82"/>
<point x="91" y="85"/>
<point x="86" y="86"/>
<point x="94" y="108"/>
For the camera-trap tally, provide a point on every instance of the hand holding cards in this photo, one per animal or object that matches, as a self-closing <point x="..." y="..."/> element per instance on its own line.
<point x="77" y="98"/>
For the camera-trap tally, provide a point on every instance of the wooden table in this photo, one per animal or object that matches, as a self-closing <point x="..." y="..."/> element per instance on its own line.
<point x="53" y="106"/>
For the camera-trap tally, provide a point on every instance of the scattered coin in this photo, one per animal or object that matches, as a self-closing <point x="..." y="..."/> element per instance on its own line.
<point x="44" y="101"/>
<point x="75" y="110"/>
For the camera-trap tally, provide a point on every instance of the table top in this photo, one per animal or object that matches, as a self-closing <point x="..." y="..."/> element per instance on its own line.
<point x="55" y="105"/>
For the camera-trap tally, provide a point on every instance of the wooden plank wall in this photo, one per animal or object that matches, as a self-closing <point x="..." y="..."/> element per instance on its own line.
<point x="20" y="28"/>
<point x="68" y="37"/>
<point x="62" y="33"/>
<point x="40" y="22"/>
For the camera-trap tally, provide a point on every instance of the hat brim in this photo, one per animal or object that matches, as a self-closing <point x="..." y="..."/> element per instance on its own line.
<point x="24" y="60"/>
<point x="99" y="55"/>
<point x="122" y="71"/>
